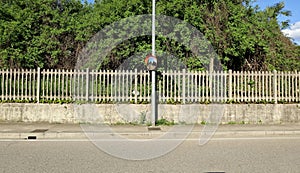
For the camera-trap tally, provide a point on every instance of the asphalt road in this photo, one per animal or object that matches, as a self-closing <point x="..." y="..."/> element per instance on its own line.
<point x="262" y="154"/>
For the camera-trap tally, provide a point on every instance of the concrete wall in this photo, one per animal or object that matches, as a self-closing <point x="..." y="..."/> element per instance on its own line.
<point x="125" y="113"/>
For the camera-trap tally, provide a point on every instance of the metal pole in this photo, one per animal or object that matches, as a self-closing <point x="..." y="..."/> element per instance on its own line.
<point x="153" y="92"/>
<point x="153" y="27"/>
<point x="153" y="98"/>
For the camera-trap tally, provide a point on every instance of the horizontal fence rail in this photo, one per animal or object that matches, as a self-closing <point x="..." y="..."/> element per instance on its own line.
<point x="135" y="86"/>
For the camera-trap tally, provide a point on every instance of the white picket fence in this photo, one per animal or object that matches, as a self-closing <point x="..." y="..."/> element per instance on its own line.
<point x="135" y="86"/>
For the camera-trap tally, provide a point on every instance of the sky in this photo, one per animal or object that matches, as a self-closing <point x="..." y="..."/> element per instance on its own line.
<point x="292" y="5"/>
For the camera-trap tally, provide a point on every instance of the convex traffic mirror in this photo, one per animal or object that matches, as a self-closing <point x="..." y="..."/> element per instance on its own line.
<point x="151" y="62"/>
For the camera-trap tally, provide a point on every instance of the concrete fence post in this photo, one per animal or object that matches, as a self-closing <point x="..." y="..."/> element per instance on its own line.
<point x="87" y="85"/>
<point x="38" y="87"/>
<point x="135" y="85"/>
<point x="275" y="86"/>
<point x="230" y="85"/>
<point x="183" y="85"/>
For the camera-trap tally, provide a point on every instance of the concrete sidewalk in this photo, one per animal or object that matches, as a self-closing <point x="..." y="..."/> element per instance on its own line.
<point x="75" y="131"/>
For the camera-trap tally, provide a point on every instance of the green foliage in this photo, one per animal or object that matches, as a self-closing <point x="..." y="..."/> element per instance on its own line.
<point x="232" y="122"/>
<point x="164" y="122"/>
<point x="173" y="102"/>
<point x="56" y="101"/>
<point x="39" y="33"/>
<point x="48" y="34"/>
<point x="203" y="122"/>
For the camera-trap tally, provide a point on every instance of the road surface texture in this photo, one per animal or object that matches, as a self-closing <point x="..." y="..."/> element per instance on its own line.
<point x="278" y="153"/>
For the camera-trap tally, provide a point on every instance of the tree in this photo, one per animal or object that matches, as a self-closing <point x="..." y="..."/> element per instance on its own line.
<point x="245" y="37"/>
<point x="39" y="33"/>
<point x="51" y="33"/>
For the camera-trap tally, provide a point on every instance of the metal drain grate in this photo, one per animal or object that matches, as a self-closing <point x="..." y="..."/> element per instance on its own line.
<point x="31" y="137"/>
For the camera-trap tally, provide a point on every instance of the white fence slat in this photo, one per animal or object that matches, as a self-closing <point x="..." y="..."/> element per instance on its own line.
<point x="163" y="86"/>
<point x="30" y="84"/>
<point x="24" y="82"/>
<point x="286" y="85"/>
<point x="47" y="84"/>
<point x="13" y="79"/>
<point x="234" y="86"/>
<point x="59" y="82"/>
<point x="100" y="85"/>
<point x="2" y="84"/>
<point x="275" y="86"/>
<point x="252" y="86"/>
<point x="271" y="94"/>
<point x="263" y="88"/>
<point x="292" y="87"/>
<point x="256" y="86"/>
<point x="140" y="85"/>
<point x="55" y="75"/>
<point x="135" y="85"/>
<point x="19" y="93"/>
<point x="179" y="81"/>
<point x="245" y="85"/>
<point x="189" y="86"/>
<point x="268" y="84"/>
<point x="200" y="86"/>
<point x="7" y="86"/>
<point x="145" y="86"/>
<point x="289" y="86"/>
<point x="96" y="98"/>
<point x="67" y="84"/>
<point x="90" y="85"/>
<point x="296" y="86"/>
<point x="230" y="85"/>
<point x="183" y="86"/>
<point x="51" y="84"/>
<point x="196" y="87"/>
